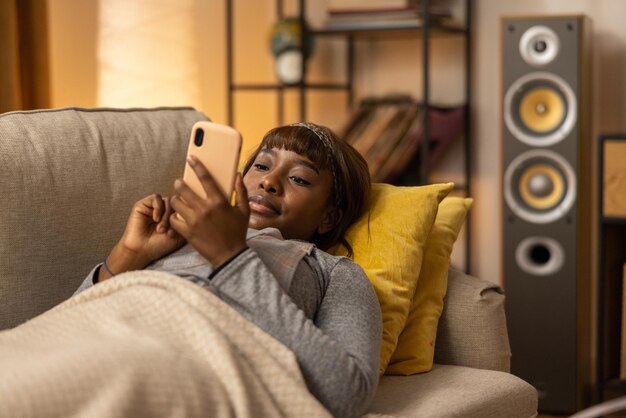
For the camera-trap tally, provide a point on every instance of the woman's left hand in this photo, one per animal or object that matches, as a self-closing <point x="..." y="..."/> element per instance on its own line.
<point x="211" y="225"/>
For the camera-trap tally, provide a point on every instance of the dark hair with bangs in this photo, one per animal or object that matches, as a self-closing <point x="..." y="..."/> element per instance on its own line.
<point x="299" y="140"/>
<point x="349" y="168"/>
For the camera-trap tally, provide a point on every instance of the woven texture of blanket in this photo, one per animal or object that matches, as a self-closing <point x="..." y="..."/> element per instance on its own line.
<point x="148" y="344"/>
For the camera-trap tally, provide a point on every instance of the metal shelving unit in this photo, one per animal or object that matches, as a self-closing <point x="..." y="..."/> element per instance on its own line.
<point x="423" y="32"/>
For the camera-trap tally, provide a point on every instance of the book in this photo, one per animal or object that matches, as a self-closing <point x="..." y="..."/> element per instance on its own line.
<point x="378" y="123"/>
<point x="367" y="4"/>
<point x="363" y="25"/>
<point x="408" y="15"/>
<point x="388" y="12"/>
<point x="404" y="151"/>
<point x="357" y="123"/>
<point x="446" y="124"/>
<point x="622" y="360"/>
<point x="376" y="127"/>
<point x="387" y="143"/>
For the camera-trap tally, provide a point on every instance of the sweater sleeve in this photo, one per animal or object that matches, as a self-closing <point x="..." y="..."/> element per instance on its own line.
<point x="338" y="352"/>
<point x="89" y="280"/>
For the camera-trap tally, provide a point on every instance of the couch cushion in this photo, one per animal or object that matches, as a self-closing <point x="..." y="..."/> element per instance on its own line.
<point x="388" y="243"/>
<point x="416" y="345"/>
<point x="56" y="165"/>
<point x="455" y="391"/>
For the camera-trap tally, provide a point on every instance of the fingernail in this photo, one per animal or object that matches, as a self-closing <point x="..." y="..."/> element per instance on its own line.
<point x="177" y="184"/>
<point x="191" y="160"/>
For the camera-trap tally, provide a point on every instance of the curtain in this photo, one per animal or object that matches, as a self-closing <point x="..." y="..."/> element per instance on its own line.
<point x="24" y="73"/>
<point x="148" y="53"/>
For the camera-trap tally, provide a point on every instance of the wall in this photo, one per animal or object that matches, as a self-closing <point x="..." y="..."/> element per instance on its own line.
<point x="384" y="66"/>
<point x="73" y="52"/>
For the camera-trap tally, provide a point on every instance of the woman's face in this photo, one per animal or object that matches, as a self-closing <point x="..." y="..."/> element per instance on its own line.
<point x="289" y="192"/>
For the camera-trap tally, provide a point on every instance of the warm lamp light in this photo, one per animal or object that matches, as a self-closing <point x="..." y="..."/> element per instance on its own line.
<point x="148" y="53"/>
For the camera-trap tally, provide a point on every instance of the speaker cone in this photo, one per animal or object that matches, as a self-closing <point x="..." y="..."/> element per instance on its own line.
<point x="540" y="186"/>
<point x="539" y="256"/>
<point x="540" y="109"/>
<point x="539" y="45"/>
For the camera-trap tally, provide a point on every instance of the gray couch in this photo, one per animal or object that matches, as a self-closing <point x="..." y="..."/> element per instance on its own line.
<point x="68" y="178"/>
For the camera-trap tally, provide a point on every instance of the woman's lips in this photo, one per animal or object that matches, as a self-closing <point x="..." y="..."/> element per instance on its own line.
<point x="262" y="205"/>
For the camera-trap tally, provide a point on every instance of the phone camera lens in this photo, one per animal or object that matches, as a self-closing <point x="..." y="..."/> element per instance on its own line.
<point x="198" y="137"/>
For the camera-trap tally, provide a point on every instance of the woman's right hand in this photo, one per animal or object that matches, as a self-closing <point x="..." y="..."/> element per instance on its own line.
<point x="148" y="236"/>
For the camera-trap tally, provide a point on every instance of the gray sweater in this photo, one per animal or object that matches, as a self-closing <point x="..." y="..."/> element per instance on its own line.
<point x="321" y="307"/>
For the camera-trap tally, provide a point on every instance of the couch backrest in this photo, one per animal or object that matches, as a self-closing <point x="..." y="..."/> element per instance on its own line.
<point x="68" y="179"/>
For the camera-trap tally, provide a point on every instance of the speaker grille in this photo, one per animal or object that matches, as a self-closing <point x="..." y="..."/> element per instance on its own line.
<point x="539" y="45"/>
<point x="540" y="109"/>
<point x="540" y="186"/>
<point x="540" y="256"/>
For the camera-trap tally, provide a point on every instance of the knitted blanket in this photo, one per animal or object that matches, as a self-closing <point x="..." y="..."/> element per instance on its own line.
<point x="148" y="344"/>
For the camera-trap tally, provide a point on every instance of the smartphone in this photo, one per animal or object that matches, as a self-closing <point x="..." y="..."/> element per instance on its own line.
<point x="218" y="148"/>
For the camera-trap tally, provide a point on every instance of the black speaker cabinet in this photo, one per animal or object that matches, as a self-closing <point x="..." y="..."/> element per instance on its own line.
<point x="546" y="208"/>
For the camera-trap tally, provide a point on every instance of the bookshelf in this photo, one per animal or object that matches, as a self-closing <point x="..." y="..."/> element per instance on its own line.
<point x="421" y="31"/>
<point x="611" y="306"/>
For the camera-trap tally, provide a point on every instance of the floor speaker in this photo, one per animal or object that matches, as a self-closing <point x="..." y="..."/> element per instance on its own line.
<point x="546" y="208"/>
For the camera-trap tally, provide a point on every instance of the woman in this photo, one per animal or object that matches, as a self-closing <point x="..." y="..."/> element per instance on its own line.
<point x="300" y="191"/>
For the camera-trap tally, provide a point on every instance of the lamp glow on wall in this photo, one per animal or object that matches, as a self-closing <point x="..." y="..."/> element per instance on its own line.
<point x="148" y="53"/>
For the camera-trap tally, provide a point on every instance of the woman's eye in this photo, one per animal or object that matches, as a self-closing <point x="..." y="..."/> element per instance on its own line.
<point x="299" y="180"/>
<point x="260" y="166"/>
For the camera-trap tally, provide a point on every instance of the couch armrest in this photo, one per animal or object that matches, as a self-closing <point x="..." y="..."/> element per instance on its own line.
<point x="72" y="176"/>
<point x="472" y="330"/>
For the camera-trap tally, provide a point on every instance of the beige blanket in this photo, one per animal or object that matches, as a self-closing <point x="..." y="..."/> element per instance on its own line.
<point x="148" y="344"/>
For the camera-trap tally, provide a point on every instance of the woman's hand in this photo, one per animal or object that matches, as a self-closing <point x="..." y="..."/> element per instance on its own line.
<point x="148" y="232"/>
<point x="216" y="229"/>
<point x="147" y="237"/>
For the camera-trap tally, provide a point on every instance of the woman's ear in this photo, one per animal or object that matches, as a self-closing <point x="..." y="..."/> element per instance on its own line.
<point x="331" y="218"/>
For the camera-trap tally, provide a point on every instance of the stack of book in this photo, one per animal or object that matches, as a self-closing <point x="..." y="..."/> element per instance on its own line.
<point x="379" y="14"/>
<point x="388" y="133"/>
<point x="622" y="369"/>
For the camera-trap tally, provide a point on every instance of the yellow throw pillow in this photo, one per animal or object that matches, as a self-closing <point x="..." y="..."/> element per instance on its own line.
<point x="388" y="243"/>
<point x="416" y="345"/>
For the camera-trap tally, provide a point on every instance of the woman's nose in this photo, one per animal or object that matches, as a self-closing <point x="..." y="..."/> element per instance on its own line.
<point x="270" y="184"/>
